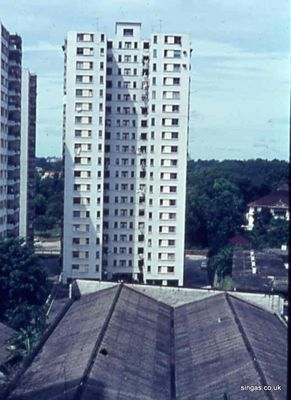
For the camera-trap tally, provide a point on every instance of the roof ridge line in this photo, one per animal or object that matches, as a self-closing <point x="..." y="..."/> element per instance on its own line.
<point x="79" y="393"/>
<point x="220" y="293"/>
<point x="80" y="295"/>
<point x="248" y="346"/>
<point x="148" y="296"/>
<point x="250" y="303"/>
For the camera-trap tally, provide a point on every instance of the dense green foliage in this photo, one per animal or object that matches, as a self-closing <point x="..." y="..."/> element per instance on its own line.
<point x="268" y="232"/>
<point x="218" y="193"/>
<point x="49" y="203"/>
<point x="220" y="265"/>
<point x="23" y="285"/>
<point x="217" y="198"/>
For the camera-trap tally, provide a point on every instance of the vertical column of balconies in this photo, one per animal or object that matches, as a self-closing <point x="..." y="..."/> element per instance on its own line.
<point x="31" y="154"/>
<point x="169" y="87"/>
<point x="14" y="127"/>
<point x="84" y="125"/>
<point x="4" y="68"/>
<point x="27" y="155"/>
<point x="123" y="126"/>
<point x="141" y="170"/>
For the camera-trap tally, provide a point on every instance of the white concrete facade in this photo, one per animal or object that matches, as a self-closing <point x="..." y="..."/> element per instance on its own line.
<point x="4" y="37"/>
<point x="126" y="111"/>
<point x="10" y="104"/>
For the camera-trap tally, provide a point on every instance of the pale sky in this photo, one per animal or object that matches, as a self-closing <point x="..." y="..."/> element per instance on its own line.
<point x="240" y="65"/>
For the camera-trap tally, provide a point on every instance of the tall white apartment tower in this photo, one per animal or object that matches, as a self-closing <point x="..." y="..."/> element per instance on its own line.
<point x="10" y="116"/>
<point x="126" y="111"/>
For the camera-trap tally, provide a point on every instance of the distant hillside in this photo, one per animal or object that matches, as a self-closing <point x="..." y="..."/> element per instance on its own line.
<point x="49" y="164"/>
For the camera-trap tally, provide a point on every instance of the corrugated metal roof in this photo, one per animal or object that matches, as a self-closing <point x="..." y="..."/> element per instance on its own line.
<point x="58" y="368"/>
<point x="211" y="356"/>
<point x="121" y="344"/>
<point x="267" y="337"/>
<point x="137" y="342"/>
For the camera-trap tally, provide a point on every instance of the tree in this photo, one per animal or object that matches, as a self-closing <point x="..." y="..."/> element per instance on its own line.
<point x="40" y="204"/>
<point x="220" y="264"/>
<point x="217" y="191"/>
<point x="224" y="218"/>
<point x="23" y="284"/>
<point x="49" y="203"/>
<point x="196" y="212"/>
<point x="269" y="232"/>
<point x="261" y="220"/>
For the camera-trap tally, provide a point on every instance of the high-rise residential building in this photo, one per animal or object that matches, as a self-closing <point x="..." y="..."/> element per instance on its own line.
<point x="11" y="55"/>
<point x="126" y="111"/>
<point x="4" y="35"/>
<point x="27" y="154"/>
<point x="11" y="115"/>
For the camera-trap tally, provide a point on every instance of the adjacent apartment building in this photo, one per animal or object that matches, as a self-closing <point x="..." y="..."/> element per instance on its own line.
<point x="126" y="112"/>
<point x="27" y="154"/>
<point x="11" y="114"/>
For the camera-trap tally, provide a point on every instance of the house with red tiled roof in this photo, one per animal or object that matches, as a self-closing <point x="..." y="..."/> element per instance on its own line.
<point x="277" y="202"/>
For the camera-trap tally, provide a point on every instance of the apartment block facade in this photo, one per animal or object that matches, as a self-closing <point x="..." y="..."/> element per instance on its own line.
<point x="126" y="112"/>
<point x="11" y="114"/>
<point x="27" y="154"/>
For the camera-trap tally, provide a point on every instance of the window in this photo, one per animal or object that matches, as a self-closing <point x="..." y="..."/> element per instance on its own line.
<point x="127" y="32"/>
<point x="83" y="106"/>
<point x="83" y="133"/>
<point x="84" y="65"/>
<point x="172" y="53"/>
<point x="82" y="160"/>
<point x="172" y="39"/>
<point x="85" y="51"/>
<point x="84" y="78"/>
<point x="127" y="58"/>
<point x="172" y="67"/>
<point x="83" y="120"/>
<point x="169" y="135"/>
<point x="170" y="121"/>
<point x="84" y="92"/>
<point x="171" y="81"/>
<point x="85" y="37"/>
<point x="81" y="227"/>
